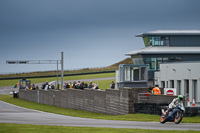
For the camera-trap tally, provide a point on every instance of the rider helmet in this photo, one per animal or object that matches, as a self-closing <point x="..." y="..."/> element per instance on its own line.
<point x="180" y="98"/>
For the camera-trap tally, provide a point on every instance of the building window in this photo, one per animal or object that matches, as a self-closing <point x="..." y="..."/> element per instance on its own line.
<point x="133" y="73"/>
<point x="172" y="59"/>
<point x="194" y="89"/>
<point x="154" y="63"/>
<point x="171" y="83"/>
<point x="151" y="62"/>
<point x="163" y="84"/>
<point x="187" y="86"/>
<point x="136" y="73"/>
<point x="179" y="87"/>
<point x="127" y="74"/>
<point x="143" y="73"/>
<point x="159" y="41"/>
<point x="167" y="84"/>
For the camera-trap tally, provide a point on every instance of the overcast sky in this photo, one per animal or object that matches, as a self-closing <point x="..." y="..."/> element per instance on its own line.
<point x="91" y="33"/>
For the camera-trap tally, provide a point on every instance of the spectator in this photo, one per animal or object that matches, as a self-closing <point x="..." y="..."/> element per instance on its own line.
<point x="77" y="86"/>
<point x="52" y="86"/>
<point x="46" y="86"/>
<point x="96" y="86"/>
<point x="33" y="87"/>
<point x="67" y="86"/>
<point x="27" y="88"/>
<point x="81" y="85"/>
<point x="37" y="87"/>
<point x="74" y="84"/>
<point x="112" y="85"/>
<point x="49" y="86"/>
<point x="70" y="85"/>
<point x="90" y="85"/>
<point x="86" y="85"/>
<point x="43" y="86"/>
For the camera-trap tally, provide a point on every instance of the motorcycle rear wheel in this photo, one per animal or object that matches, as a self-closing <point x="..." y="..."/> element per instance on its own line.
<point x="178" y="119"/>
<point x="162" y="119"/>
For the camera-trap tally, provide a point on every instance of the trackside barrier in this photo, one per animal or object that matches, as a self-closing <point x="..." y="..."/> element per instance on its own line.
<point x="110" y="101"/>
<point x="155" y="109"/>
<point x="143" y="97"/>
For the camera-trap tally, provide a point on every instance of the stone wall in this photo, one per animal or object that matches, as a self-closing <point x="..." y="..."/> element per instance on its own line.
<point x="155" y="109"/>
<point x="109" y="101"/>
<point x="161" y="98"/>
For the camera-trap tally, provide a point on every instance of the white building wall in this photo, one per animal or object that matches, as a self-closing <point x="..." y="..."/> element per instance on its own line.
<point x="181" y="72"/>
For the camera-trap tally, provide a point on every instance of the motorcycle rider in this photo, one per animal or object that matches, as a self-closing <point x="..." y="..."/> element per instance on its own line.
<point x="175" y="101"/>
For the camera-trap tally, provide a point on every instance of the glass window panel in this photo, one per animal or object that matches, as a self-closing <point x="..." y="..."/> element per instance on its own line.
<point x="136" y="73"/>
<point x="165" y="59"/>
<point x="159" y="61"/>
<point x="131" y="73"/>
<point x="127" y="74"/>
<point x="150" y="62"/>
<point x="163" y="84"/>
<point x="143" y="73"/>
<point x="159" y="41"/>
<point x="121" y="74"/>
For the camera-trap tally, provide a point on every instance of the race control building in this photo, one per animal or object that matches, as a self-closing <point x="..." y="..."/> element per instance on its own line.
<point x="170" y="47"/>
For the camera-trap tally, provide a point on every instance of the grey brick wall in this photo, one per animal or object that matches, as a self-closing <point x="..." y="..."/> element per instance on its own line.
<point x="99" y="102"/>
<point x="63" y="98"/>
<point x="109" y="101"/>
<point x="161" y="99"/>
<point x="89" y="100"/>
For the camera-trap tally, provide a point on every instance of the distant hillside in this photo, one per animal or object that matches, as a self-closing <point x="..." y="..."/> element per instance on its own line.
<point x="84" y="70"/>
<point x="125" y="61"/>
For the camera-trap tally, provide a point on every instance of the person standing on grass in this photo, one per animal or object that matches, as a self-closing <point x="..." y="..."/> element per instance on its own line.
<point x="112" y="85"/>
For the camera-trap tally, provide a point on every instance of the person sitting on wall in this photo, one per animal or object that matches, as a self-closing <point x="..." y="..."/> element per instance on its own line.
<point x="67" y="86"/>
<point x="156" y="90"/>
<point x="90" y="85"/>
<point x="52" y="86"/>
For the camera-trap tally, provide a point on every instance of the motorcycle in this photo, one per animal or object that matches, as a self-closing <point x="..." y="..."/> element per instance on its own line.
<point x="176" y="115"/>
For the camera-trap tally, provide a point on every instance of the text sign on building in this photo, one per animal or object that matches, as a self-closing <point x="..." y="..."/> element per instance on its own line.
<point x="170" y="91"/>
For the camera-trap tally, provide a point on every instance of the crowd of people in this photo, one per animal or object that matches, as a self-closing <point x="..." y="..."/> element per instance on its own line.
<point x="81" y="85"/>
<point x="47" y="86"/>
<point x="75" y="85"/>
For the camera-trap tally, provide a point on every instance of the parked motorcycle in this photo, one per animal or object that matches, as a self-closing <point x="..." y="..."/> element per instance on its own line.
<point x="175" y="115"/>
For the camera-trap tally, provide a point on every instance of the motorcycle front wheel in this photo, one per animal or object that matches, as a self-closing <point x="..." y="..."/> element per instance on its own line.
<point x="162" y="119"/>
<point x="178" y="118"/>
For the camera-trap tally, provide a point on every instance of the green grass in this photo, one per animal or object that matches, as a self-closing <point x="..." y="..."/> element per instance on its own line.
<point x="103" y="84"/>
<point x="79" y="113"/>
<point x="27" y="128"/>
<point x="42" y="80"/>
<point x="48" y="73"/>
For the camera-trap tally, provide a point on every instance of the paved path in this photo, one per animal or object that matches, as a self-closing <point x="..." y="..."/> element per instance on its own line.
<point x="6" y="90"/>
<point x="13" y="114"/>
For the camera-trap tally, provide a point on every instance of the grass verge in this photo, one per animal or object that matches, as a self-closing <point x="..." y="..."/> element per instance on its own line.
<point x="79" y="113"/>
<point x="27" y="128"/>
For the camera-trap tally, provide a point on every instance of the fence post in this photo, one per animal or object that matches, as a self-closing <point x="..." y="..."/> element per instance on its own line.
<point x="38" y="95"/>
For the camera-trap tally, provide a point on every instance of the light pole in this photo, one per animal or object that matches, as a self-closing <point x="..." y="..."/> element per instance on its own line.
<point x="62" y="62"/>
<point x="42" y="62"/>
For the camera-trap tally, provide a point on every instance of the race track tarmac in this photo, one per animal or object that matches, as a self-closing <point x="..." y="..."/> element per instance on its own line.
<point x="13" y="114"/>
